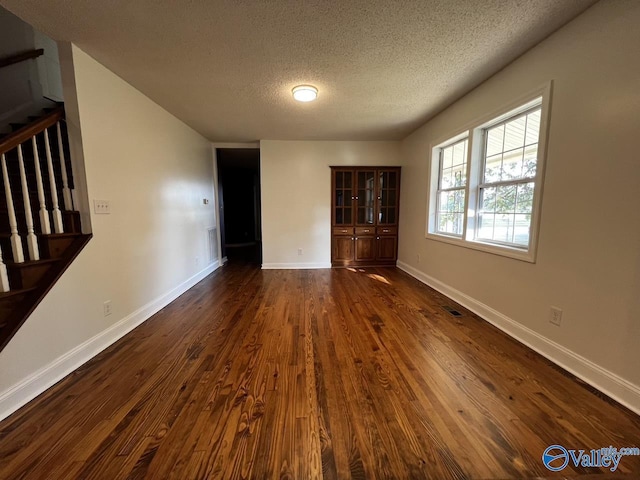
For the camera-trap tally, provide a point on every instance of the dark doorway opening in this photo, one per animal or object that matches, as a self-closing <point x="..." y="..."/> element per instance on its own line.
<point x="239" y="200"/>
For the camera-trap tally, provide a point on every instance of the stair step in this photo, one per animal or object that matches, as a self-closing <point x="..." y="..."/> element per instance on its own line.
<point x="54" y="245"/>
<point x="28" y="274"/>
<point x="10" y="302"/>
<point x="14" y="293"/>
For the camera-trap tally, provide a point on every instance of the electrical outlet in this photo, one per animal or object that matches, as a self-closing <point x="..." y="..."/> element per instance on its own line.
<point x="101" y="207"/>
<point x="555" y="316"/>
<point x="418" y="258"/>
<point x="107" y="308"/>
<point x="197" y="261"/>
<point x="299" y="251"/>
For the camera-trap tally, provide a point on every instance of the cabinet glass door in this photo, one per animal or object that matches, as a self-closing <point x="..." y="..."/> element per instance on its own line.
<point x="365" y="197"/>
<point x="343" y="191"/>
<point x="387" y="197"/>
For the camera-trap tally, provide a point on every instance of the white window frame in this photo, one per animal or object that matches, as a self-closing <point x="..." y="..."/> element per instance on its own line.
<point x="440" y="189"/>
<point x="475" y="132"/>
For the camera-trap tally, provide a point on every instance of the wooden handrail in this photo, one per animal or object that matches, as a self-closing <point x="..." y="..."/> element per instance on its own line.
<point x="21" y="57"/>
<point x="25" y="133"/>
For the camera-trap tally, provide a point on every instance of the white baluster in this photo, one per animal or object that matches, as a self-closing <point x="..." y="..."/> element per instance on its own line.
<point x="32" y="241"/>
<point x="57" y="216"/>
<point x="66" y="193"/>
<point x="4" y="278"/>
<point x="16" y="241"/>
<point x="45" y="225"/>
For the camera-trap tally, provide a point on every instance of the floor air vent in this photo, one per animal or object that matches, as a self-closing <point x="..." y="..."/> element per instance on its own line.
<point x="452" y="311"/>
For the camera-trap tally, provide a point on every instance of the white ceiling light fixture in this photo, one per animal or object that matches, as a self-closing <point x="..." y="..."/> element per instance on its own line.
<point x="305" y="93"/>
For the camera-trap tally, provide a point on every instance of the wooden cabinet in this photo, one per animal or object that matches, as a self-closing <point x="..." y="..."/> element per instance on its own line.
<point x="364" y="215"/>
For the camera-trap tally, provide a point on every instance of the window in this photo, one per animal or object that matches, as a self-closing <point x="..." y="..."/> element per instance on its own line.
<point x="486" y="182"/>
<point x="451" y="188"/>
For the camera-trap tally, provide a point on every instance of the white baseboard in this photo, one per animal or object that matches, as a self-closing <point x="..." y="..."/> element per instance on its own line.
<point x="294" y="266"/>
<point x="26" y="390"/>
<point x="604" y="380"/>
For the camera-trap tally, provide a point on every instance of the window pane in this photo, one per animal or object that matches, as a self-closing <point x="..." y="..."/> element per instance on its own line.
<point x="514" y="133"/>
<point x="447" y="157"/>
<point x="506" y="199"/>
<point x="524" y="198"/>
<point x="503" y="228"/>
<point x="512" y="165"/>
<point x="459" y="153"/>
<point x="495" y="137"/>
<point x="488" y="200"/>
<point x="493" y="169"/>
<point x="522" y="229"/>
<point x="459" y="175"/>
<point x="530" y="161"/>
<point x="533" y="127"/>
<point x="451" y="212"/>
<point x="447" y="180"/>
<point x="485" y="228"/>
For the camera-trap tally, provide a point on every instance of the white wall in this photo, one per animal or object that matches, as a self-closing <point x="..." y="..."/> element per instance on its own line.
<point x="296" y="196"/>
<point x="155" y="171"/>
<point x="589" y="248"/>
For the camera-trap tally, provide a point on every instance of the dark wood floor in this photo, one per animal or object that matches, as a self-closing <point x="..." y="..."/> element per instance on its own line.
<point x="311" y="374"/>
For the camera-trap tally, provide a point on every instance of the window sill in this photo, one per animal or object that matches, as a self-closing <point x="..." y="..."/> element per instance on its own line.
<point x="501" y="250"/>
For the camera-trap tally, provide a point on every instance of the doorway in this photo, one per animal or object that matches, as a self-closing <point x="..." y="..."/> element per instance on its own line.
<point x="239" y="201"/>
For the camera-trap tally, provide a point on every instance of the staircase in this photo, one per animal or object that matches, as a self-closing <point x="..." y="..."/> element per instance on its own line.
<point x="40" y="231"/>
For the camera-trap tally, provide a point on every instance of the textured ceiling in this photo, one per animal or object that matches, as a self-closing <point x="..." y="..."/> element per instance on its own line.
<point x="226" y="68"/>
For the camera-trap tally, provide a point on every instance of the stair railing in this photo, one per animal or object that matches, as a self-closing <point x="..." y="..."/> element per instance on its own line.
<point x="27" y="137"/>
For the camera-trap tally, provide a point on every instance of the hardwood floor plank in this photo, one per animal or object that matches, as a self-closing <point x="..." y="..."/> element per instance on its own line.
<point x="309" y="374"/>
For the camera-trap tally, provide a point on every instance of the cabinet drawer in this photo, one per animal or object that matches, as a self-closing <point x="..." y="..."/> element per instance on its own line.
<point x="365" y="230"/>
<point x="387" y="230"/>
<point x="343" y="230"/>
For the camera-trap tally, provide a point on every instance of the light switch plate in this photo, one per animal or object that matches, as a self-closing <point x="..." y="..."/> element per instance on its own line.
<point x="101" y="207"/>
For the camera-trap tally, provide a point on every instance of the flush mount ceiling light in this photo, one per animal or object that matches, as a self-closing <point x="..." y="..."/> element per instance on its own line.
<point x="305" y="93"/>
